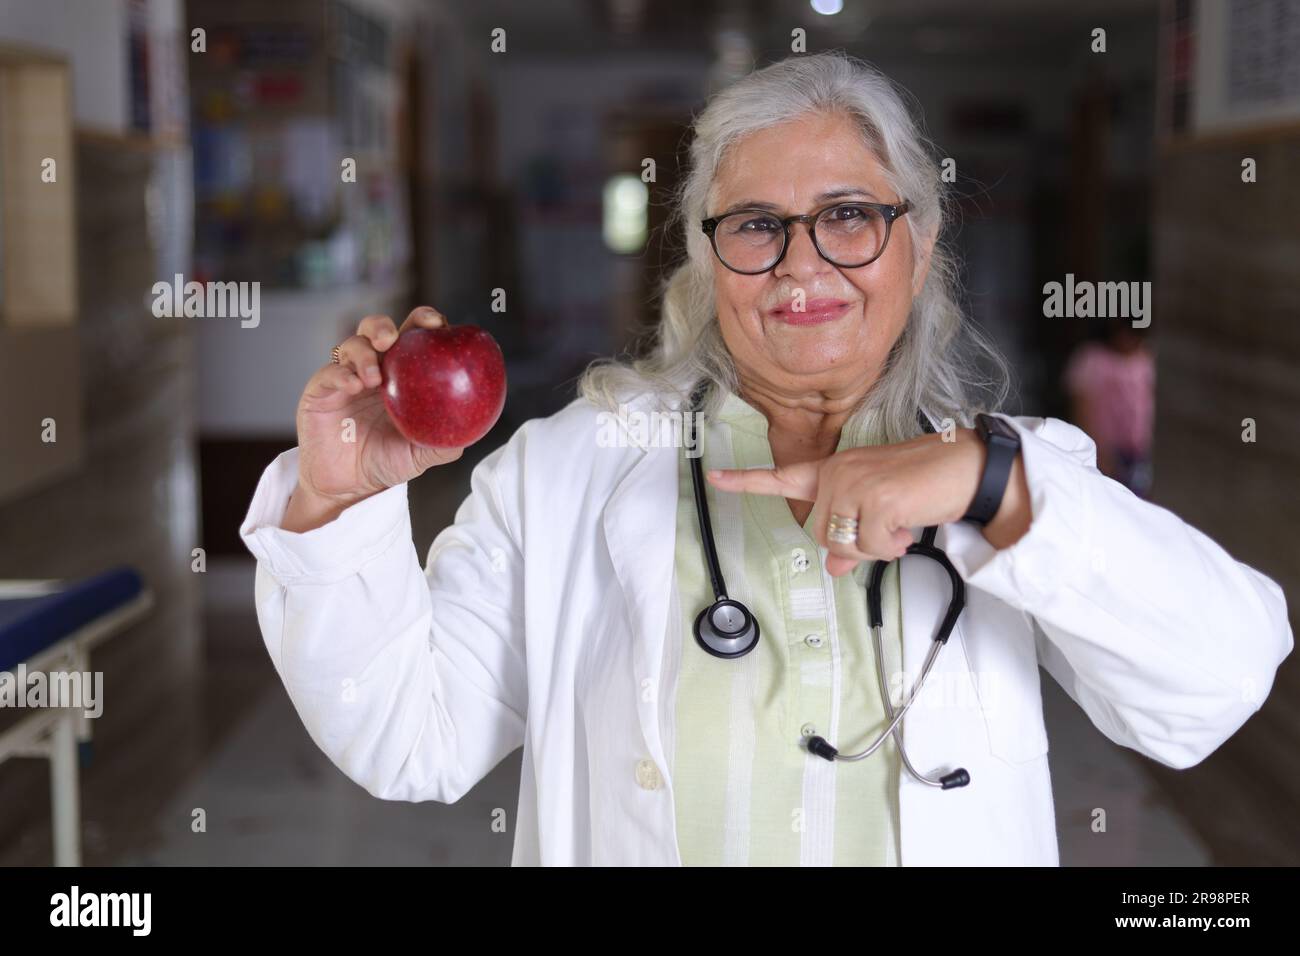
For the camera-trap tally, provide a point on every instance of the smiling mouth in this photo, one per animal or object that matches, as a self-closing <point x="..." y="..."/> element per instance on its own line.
<point x="818" y="311"/>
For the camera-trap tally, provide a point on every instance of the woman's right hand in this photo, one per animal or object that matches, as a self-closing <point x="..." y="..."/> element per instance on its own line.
<point x="340" y="464"/>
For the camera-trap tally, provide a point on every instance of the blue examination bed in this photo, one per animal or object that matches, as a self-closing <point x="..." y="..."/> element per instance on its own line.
<point x="51" y="627"/>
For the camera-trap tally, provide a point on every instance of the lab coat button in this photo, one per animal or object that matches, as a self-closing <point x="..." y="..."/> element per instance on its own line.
<point x="798" y="560"/>
<point x="647" y="775"/>
<point x="813" y="640"/>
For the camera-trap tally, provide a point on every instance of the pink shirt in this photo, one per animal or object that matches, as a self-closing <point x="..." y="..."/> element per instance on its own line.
<point x="1120" y="389"/>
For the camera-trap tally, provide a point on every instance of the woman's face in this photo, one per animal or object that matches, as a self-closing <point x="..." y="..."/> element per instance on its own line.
<point x="793" y="167"/>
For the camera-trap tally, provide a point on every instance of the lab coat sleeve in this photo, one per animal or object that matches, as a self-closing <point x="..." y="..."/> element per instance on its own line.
<point x="410" y="680"/>
<point x="1166" y="642"/>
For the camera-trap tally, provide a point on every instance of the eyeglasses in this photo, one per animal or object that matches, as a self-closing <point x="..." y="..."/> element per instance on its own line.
<point x="847" y="234"/>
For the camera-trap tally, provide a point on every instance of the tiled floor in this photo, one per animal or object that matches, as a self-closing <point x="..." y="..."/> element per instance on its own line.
<point x="271" y="797"/>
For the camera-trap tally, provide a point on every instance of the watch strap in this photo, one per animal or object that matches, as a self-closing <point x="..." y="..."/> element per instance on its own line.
<point x="1001" y="444"/>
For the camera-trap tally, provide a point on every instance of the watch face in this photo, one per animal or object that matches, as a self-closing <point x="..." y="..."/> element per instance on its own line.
<point x="997" y="428"/>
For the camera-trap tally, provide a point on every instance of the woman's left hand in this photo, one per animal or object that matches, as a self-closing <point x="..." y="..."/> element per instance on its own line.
<point x="889" y="489"/>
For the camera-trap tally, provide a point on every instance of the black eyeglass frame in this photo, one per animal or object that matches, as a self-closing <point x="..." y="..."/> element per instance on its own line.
<point x="890" y="212"/>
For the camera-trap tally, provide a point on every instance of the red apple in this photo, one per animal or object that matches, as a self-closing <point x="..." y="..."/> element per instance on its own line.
<point x="445" y="387"/>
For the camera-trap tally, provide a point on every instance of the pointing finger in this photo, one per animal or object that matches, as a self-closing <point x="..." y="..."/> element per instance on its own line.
<point x="798" y="481"/>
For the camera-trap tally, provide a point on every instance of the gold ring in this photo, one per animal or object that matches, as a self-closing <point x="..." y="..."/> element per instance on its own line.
<point x="335" y="356"/>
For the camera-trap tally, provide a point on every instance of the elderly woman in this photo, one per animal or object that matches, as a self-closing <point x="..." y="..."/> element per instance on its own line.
<point x="692" y="664"/>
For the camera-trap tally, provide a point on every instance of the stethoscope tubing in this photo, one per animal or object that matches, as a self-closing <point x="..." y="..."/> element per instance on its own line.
<point x="875" y="601"/>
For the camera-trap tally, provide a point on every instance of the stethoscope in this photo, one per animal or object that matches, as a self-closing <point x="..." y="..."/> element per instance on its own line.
<point x="727" y="629"/>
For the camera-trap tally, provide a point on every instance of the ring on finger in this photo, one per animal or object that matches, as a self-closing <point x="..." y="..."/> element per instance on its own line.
<point x="336" y="357"/>
<point x="842" y="530"/>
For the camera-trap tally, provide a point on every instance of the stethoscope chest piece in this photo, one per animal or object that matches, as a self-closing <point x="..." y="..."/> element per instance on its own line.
<point x="726" y="629"/>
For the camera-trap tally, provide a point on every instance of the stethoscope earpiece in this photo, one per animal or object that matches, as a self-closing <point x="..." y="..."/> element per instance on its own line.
<point x="958" y="778"/>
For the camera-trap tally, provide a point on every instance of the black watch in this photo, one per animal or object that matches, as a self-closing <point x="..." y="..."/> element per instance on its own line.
<point x="1003" y="444"/>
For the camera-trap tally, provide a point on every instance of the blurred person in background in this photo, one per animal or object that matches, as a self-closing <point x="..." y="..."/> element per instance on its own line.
<point x="1111" y="383"/>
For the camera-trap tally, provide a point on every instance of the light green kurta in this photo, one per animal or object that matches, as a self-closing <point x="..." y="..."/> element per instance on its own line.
<point x="746" y="791"/>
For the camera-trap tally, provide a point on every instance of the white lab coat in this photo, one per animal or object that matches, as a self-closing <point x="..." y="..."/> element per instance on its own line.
<point x="546" y="618"/>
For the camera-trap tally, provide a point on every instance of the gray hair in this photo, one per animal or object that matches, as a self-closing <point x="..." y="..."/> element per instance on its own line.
<point x="939" y="363"/>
